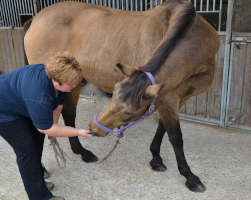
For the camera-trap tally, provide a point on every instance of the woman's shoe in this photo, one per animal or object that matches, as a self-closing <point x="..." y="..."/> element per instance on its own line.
<point x="49" y="185"/>
<point x="56" y="198"/>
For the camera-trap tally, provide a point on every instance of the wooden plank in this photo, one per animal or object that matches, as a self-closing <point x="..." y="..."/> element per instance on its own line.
<point x="17" y="47"/>
<point x="3" y="60"/>
<point x="218" y="77"/>
<point x="236" y="89"/>
<point x="246" y="94"/>
<point x="242" y="16"/>
<point x="9" y="66"/>
<point x="201" y="105"/>
<point x="191" y="106"/>
<point x="183" y="109"/>
<point x="12" y="48"/>
<point x="21" y="49"/>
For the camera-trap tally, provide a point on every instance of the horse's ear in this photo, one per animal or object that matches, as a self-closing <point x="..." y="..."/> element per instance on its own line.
<point x="153" y="90"/>
<point x="126" y="70"/>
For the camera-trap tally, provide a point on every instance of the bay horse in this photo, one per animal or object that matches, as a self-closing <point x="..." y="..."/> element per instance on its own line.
<point x="171" y="41"/>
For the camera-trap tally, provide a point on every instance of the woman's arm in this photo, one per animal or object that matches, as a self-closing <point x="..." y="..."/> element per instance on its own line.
<point x="56" y="113"/>
<point x="63" y="131"/>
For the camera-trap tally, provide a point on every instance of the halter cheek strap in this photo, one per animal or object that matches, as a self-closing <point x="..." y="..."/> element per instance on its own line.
<point x="120" y="131"/>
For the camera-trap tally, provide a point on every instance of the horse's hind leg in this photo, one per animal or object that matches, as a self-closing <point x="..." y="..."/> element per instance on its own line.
<point x="69" y="116"/>
<point x="156" y="163"/>
<point x="169" y="113"/>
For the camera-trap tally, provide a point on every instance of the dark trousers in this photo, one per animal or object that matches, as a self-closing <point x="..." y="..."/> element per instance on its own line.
<point x="27" y="142"/>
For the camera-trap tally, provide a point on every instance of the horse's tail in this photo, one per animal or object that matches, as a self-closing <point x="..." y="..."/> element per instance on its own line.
<point x="182" y="16"/>
<point x="26" y="26"/>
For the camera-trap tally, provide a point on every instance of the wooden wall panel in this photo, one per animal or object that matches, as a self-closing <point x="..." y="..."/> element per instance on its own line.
<point x="3" y="58"/>
<point x="237" y="81"/>
<point x="240" y="98"/>
<point x="242" y="16"/>
<point x="11" y="50"/>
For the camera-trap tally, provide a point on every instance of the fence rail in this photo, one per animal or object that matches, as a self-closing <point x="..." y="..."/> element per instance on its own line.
<point x="15" y="13"/>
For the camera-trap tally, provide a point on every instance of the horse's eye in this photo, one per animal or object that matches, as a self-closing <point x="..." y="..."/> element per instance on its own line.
<point x="127" y="113"/>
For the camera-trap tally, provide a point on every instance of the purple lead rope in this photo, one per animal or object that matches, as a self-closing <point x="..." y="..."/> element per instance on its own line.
<point x="120" y="131"/>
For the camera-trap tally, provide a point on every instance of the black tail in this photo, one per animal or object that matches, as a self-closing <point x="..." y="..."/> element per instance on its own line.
<point x="182" y="17"/>
<point x="25" y="29"/>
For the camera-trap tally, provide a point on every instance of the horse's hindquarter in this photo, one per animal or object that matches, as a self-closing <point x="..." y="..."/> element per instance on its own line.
<point x="99" y="37"/>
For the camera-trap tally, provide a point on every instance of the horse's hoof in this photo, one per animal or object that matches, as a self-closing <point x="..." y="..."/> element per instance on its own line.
<point x="90" y="158"/>
<point x="158" y="166"/>
<point x="197" y="186"/>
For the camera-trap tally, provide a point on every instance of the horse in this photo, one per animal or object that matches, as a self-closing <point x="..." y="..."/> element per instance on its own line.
<point x="114" y="48"/>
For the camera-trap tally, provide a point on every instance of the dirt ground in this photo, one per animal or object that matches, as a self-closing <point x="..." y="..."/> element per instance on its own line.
<point x="220" y="157"/>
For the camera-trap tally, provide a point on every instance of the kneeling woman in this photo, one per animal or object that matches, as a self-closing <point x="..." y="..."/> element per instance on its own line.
<point x="31" y="100"/>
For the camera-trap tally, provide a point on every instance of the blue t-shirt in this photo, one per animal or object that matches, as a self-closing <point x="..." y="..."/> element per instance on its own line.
<point x="28" y="92"/>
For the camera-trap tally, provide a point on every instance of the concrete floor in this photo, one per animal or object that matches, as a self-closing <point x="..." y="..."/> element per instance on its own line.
<point x="220" y="157"/>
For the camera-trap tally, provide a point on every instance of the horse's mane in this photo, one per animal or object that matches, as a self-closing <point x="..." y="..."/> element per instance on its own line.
<point x="181" y="19"/>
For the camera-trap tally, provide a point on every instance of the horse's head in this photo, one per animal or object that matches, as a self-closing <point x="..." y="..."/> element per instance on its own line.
<point x="131" y="99"/>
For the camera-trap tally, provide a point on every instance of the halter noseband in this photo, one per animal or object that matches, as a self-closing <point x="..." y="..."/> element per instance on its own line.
<point x="120" y="131"/>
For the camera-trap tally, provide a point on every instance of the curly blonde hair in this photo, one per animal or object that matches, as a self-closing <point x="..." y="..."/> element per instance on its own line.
<point x="63" y="68"/>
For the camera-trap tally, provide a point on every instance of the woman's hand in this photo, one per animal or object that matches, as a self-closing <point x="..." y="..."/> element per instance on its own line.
<point x="85" y="133"/>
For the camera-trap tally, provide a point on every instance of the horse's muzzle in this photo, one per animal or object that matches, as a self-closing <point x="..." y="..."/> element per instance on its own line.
<point x="95" y="134"/>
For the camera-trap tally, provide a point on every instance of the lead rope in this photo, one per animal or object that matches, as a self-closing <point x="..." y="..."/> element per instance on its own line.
<point x="116" y="144"/>
<point x="58" y="152"/>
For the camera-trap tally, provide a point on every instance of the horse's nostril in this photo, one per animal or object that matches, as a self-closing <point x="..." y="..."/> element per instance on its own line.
<point x="94" y="133"/>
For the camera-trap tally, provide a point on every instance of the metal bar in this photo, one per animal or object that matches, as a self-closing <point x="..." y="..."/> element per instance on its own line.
<point x="240" y="128"/>
<point x="25" y="6"/>
<point x="13" y="14"/>
<point x="145" y="4"/>
<point x="131" y="5"/>
<point x="199" y="120"/>
<point x="220" y="15"/>
<point x="221" y="32"/>
<point x="8" y="14"/>
<point x="201" y="4"/>
<point x="118" y="4"/>
<point x="35" y="7"/>
<point x="127" y="4"/>
<point x="113" y="3"/>
<point x="16" y="15"/>
<point x="229" y="84"/>
<point x="207" y="5"/>
<point x="214" y="5"/>
<point x="109" y="3"/>
<point x="141" y="5"/>
<point x="136" y="5"/>
<point x="195" y="4"/>
<point x="208" y="11"/>
<point x="29" y="6"/>
<point x="151" y="4"/>
<point x="4" y="17"/>
<point x="225" y="93"/>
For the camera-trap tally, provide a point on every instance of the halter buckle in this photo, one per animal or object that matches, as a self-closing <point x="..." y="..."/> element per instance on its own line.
<point x="150" y="108"/>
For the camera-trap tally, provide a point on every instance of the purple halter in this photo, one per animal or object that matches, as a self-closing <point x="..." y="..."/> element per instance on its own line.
<point x="120" y="131"/>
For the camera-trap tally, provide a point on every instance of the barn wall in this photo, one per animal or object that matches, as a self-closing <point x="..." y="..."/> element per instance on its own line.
<point x="242" y="16"/>
<point x="11" y="50"/>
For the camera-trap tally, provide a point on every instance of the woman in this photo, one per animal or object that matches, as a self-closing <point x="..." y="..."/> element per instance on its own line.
<point x="31" y="100"/>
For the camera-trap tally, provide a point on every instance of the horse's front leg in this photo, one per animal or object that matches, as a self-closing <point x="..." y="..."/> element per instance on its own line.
<point x="156" y="163"/>
<point x="169" y="113"/>
<point x="69" y="116"/>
